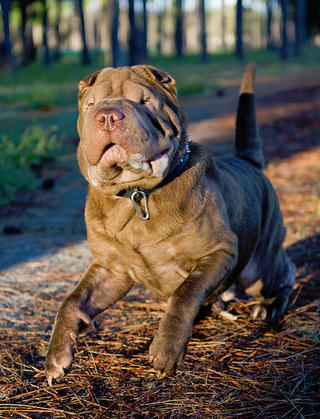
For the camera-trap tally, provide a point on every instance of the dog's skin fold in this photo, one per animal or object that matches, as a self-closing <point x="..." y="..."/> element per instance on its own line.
<point x="215" y="226"/>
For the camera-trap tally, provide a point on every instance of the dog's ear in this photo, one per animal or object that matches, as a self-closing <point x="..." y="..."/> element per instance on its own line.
<point x="159" y="76"/>
<point x="87" y="82"/>
<point x="162" y="77"/>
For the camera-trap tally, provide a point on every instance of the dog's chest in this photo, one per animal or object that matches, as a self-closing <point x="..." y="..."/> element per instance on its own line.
<point x="160" y="257"/>
<point x="163" y="260"/>
<point x="161" y="268"/>
<point x="160" y="252"/>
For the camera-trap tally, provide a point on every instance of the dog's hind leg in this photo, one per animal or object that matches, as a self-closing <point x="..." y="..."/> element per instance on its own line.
<point x="269" y="278"/>
<point x="280" y="287"/>
<point x="273" y="289"/>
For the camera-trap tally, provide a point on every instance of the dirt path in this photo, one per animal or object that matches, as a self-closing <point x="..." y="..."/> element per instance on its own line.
<point x="230" y="365"/>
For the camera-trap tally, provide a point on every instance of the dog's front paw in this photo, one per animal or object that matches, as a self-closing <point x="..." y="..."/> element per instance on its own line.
<point x="60" y="356"/>
<point x="167" y="353"/>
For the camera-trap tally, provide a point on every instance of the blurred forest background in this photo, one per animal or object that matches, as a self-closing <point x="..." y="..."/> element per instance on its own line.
<point x="128" y="31"/>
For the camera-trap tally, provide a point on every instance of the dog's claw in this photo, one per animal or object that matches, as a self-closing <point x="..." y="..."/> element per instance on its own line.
<point x="259" y="312"/>
<point x="166" y="354"/>
<point x="55" y="370"/>
<point x="55" y="375"/>
<point x="160" y="374"/>
<point x="60" y="357"/>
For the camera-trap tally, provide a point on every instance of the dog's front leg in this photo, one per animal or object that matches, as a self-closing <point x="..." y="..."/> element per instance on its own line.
<point x="210" y="276"/>
<point x="97" y="290"/>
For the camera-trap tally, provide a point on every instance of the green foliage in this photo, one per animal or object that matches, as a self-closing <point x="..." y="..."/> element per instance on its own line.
<point x="35" y="96"/>
<point x="41" y="95"/>
<point x="190" y="88"/>
<point x="18" y="161"/>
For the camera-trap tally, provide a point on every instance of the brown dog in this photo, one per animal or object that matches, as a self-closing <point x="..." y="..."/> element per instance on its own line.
<point x="164" y="212"/>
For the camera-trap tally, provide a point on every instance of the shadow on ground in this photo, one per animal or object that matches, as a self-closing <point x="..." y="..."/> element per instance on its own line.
<point x="306" y="256"/>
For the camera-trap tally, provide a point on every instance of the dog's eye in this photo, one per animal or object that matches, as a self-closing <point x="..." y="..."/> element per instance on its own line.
<point x="145" y="100"/>
<point x="90" y="104"/>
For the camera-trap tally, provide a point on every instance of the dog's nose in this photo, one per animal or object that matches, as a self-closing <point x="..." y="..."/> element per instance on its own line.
<point x="109" y="118"/>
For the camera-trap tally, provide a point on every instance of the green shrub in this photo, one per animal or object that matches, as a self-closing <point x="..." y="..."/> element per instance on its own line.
<point x="18" y="161"/>
<point x="190" y="88"/>
<point x="32" y="96"/>
<point x="42" y="95"/>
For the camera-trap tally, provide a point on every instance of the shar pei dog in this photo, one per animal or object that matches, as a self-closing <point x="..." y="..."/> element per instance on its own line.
<point x="162" y="211"/>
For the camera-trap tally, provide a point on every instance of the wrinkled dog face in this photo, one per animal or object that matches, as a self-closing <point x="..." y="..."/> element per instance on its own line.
<point x="130" y="127"/>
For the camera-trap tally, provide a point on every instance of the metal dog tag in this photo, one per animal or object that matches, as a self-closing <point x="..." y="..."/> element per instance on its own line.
<point x="136" y="196"/>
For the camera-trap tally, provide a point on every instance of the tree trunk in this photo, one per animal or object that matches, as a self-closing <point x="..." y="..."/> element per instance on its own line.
<point x="47" y="59"/>
<point x="270" y="45"/>
<point x="223" y="24"/>
<point x="304" y="21"/>
<point x="7" y="58"/>
<point x="203" y="33"/>
<point x="300" y="25"/>
<point x="284" y="36"/>
<point x="23" y="12"/>
<point x="57" y="52"/>
<point x="96" y="32"/>
<point x="114" y="13"/>
<point x="160" y="31"/>
<point x="179" y="28"/>
<point x="239" y="46"/>
<point x="85" y="52"/>
<point x="132" y="35"/>
<point x="145" y="30"/>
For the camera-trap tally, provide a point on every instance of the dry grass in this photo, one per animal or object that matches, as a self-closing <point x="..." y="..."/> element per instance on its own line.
<point x="233" y="369"/>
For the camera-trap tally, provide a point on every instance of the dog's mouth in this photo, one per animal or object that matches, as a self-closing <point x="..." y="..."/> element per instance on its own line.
<point x="154" y="167"/>
<point x="116" y="162"/>
<point x="107" y="147"/>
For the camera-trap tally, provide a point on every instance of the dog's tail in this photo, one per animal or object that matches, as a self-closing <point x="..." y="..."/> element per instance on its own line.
<point x="248" y="142"/>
